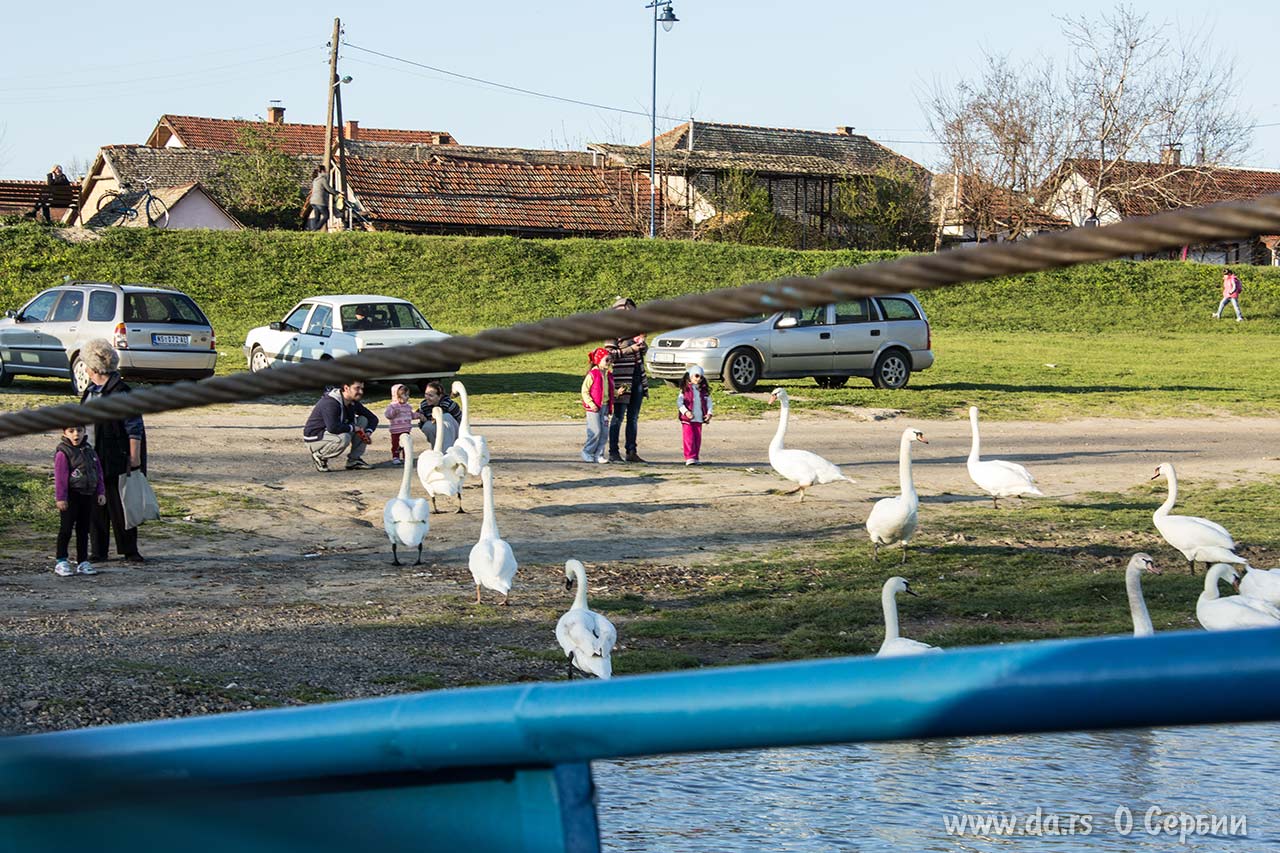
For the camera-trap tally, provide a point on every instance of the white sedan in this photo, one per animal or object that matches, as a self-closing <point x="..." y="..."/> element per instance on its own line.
<point x="332" y="326"/>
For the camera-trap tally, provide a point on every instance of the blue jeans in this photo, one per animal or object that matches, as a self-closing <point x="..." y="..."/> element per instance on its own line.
<point x="1235" y="303"/>
<point x="631" y="411"/>
<point x="597" y="442"/>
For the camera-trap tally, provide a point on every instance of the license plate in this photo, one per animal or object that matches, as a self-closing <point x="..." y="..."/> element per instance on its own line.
<point x="160" y="340"/>
<point x="664" y="357"/>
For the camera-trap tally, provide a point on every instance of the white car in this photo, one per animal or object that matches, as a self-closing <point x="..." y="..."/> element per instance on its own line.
<point x="325" y="327"/>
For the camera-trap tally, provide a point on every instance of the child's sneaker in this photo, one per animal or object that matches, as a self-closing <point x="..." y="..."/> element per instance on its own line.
<point x="63" y="569"/>
<point x="86" y="568"/>
<point x="691" y="461"/>
<point x="602" y="459"/>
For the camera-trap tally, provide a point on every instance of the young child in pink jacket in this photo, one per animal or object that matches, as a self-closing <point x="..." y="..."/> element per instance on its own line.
<point x="400" y="415"/>
<point x="694" y="406"/>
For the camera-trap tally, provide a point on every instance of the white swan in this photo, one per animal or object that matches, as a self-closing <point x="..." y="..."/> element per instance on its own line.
<point x="894" y="645"/>
<point x="1199" y="540"/>
<point x="893" y="520"/>
<point x="442" y="472"/>
<point x="1236" y="611"/>
<point x="996" y="477"/>
<point x="1262" y="584"/>
<point x="406" y="521"/>
<point x="586" y="637"/>
<point x="1138" y="564"/>
<point x="492" y="563"/>
<point x="798" y="466"/>
<point x="470" y="443"/>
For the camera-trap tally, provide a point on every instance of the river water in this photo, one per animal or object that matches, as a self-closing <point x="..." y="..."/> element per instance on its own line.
<point x="1142" y="789"/>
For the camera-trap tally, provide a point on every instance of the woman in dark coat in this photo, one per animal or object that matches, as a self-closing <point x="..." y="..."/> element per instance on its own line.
<point x="121" y="446"/>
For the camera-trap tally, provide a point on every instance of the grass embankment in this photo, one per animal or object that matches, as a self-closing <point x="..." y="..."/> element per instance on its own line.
<point x="1121" y="338"/>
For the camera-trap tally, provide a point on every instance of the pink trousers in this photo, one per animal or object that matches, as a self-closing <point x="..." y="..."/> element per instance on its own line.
<point x="692" y="439"/>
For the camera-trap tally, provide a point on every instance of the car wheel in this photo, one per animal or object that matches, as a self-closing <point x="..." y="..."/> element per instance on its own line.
<point x="6" y="378"/>
<point x="831" y="381"/>
<point x="79" y="376"/>
<point x="741" y="371"/>
<point x="892" y="371"/>
<point x="258" y="360"/>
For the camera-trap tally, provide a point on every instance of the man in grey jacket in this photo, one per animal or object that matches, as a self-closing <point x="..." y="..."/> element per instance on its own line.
<point x="321" y="189"/>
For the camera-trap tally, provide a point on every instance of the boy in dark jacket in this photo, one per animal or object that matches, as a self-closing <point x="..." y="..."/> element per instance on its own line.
<point x="339" y="423"/>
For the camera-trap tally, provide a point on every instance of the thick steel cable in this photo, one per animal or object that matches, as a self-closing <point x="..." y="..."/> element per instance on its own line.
<point x="917" y="272"/>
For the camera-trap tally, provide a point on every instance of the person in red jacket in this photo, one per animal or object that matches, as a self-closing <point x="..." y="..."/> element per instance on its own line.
<point x="1231" y="290"/>
<point x="597" y="398"/>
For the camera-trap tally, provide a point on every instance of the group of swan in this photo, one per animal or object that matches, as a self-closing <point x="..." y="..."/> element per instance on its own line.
<point x="442" y="471"/>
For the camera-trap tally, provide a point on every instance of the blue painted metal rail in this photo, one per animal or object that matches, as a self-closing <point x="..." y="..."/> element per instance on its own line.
<point x="504" y="768"/>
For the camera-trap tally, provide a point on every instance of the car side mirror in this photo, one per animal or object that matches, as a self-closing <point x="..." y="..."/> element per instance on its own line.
<point x="277" y="326"/>
<point x="787" y="322"/>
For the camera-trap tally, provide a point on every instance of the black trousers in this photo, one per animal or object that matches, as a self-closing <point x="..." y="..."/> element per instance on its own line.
<point x="630" y="411"/>
<point x="111" y="518"/>
<point x="76" y="516"/>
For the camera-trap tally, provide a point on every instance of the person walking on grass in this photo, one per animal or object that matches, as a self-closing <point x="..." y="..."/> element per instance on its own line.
<point x="339" y="424"/>
<point x="1231" y="290"/>
<point x="694" y="406"/>
<point x="78" y="486"/>
<point x="400" y="417"/>
<point x="632" y="386"/>
<point x="597" y="398"/>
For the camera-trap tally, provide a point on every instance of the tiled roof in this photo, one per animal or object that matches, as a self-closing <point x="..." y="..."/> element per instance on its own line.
<point x="532" y="156"/>
<point x="112" y="215"/>
<point x="857" y="154"/>
<point x="1001" y="205"/>
<point x="637" y="157"/>
<point x="173" y="167"/>
<point x="21" y="196"/>
<point x="224" y="134"/>
<point x="512" y="197"/>
<point x="1142" y="188"/>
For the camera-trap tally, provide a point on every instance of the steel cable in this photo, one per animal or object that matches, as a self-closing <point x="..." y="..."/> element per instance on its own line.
<point x="917" y="272"/>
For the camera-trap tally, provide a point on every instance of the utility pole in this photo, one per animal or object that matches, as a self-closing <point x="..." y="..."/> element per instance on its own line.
<point x="332" y="87"/>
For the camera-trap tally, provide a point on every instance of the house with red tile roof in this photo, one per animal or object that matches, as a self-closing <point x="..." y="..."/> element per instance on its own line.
<point x="971" y="211"/>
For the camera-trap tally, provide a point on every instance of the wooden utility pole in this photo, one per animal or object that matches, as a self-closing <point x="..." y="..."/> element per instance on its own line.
<point x="332" y="87"/>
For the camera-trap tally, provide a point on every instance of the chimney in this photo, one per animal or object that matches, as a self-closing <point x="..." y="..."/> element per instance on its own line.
<point x="275" y="115"/>
<point x="844" y="130"/>
<point x="351" y="130"/>
<point x="441" y="139"/>
<point x="1171" y="154"/>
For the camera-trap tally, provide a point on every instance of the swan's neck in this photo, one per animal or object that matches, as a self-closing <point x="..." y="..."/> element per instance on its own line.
<point x="890" y="603"/>
<point x="778" y="436"/>
<point x="1211" y="585"/>
<point x="1173" y="496"/>
<point x="974" y="448"/>
<point x="408" y="462"/>
<point x="580" y="599"/>
<point x="904" y="468"/>
<point x="438" y="444"/>
<point x="1137" y="604"/>
<point x="465" y="426"/>
<point x="489" y="530"/>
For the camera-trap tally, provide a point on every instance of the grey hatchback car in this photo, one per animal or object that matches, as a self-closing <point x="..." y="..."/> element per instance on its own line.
<point x="159" y="333"/>
<point x="884" y="338"/>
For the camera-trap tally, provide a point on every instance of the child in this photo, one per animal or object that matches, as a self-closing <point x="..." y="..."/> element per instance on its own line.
<point x="694" y="406"/>
<point x="597" y="399"/>
<point x="77" y="485"/>
<point x="401" y="415"/>
<point x="1231" y="290"/>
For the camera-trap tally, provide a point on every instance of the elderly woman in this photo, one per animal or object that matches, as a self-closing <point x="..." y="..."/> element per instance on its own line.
<point x="121" y="446"/>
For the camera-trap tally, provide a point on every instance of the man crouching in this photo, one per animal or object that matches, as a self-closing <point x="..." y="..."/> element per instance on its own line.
<point x="339" y="424"/>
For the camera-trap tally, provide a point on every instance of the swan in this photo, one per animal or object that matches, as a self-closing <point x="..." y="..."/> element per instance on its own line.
<point x="893" y="520"/>
<point x="470" y="443"/>
<point x="440" y="471"/>
<point x="1236" y="611"/>
<point x="1138" y="564"/>
<point x="1262" y="584"/>
<point x="1199" y="540"/>
<point x="586" y="637"/>
<point x="893" y="645"/>
<point x="492" y="563"/>
<point x="406" y="521"/>
<point x="798" y="466"/>
<point x="996" y="477"/>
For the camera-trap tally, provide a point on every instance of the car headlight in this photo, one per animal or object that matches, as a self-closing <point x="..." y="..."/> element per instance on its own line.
<point x="702" y="343"/>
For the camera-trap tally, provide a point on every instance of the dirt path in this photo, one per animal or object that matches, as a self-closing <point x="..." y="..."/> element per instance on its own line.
<point x="273" y="582"/>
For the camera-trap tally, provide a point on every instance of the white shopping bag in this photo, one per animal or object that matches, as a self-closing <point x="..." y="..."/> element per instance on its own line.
<point x="138" y="499"/>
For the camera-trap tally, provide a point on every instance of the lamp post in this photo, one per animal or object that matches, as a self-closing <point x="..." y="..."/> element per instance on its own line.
<point x="667" y="19"/>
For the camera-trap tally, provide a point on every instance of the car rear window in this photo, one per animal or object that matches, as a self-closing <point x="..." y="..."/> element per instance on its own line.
<point x="382" y="315"/>
<point x="162" y="308"/>
<point x="898" y="309"/>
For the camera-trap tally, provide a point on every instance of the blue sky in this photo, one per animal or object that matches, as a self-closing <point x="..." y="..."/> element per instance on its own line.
<point x="807" y="64"/>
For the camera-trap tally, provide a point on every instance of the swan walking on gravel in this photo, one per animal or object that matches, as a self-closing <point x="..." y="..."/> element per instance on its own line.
<point x="586" y="637"/>
<point x="799" y="466"/>
<point x="1199" y="539"/>
<point x="893" y="520"/>
<point x="1138" y="564"/>
<point x="492" y="563"/>
<point x="1236" y="611"/>
<point x="470" y="443"/>
<point x="406" y="521"/>
<point x="442" y="471"/>
<point x="996" y="477"/>
<point x="894" y="645"/>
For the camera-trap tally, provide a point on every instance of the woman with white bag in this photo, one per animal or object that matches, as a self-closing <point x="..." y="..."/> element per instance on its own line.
<point x="121" y="445"/>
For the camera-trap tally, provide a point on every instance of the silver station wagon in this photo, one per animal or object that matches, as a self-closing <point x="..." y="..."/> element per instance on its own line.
<point x="158" y="333"/>
<point x="882" y="338"/>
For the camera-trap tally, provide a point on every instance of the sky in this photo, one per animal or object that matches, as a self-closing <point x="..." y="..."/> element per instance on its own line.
<point x="813" y="64"/>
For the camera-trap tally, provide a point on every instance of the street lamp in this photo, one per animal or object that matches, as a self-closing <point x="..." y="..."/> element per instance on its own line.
<point x="667" y="19"/>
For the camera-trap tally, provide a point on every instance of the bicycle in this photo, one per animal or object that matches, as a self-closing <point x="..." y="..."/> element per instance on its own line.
<point x="156" y="211"/>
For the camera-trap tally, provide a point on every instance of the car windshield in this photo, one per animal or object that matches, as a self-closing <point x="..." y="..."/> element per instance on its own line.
<point x="382" y="315"/>
<point x="754" y="318"/>
<point x="162" y="308"/>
